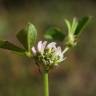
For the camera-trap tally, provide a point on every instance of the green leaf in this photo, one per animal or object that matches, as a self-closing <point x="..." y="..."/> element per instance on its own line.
<point x="54" y="34"/>
<point x="81" y="24"/>
<point x="10" y="46"/>
<point x="68" y="25"/>
<point x="71" y="25"/>
<point x="27" y="36"/>
<point x="74" y="25"/>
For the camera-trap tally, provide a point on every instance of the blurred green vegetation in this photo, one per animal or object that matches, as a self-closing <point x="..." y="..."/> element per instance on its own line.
<point x="76" y="76"/>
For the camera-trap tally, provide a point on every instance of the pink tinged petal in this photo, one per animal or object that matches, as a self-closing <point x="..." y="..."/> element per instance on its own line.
<point x="34" y="50"/>
<point x="58" y="51"/>
<point x="51" y="45"/>
<point x="44" y="45"/>
<point x="39" y="46"/>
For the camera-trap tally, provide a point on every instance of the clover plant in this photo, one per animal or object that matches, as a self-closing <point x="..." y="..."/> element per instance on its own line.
<point x="47" y="54"/>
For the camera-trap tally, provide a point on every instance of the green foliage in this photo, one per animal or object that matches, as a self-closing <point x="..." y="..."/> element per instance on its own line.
<point x="10" y="46"/>
<point x="68" y="25"/>
<point x="81" y="24"/>
<point x="74" y="25"/>
<point x="27" y="36"/>
<point x="74" y="29"/>
<point x="54" y="34"/>
<point x="71" y="26"/>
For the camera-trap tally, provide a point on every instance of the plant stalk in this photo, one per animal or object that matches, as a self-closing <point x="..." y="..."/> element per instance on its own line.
<point x="45" y="81"/>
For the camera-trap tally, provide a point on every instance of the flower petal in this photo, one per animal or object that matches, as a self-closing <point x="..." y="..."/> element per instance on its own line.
<point x="59" y="53"/>
<point x="58" y="50"/>
<point x="39" y="46"/>
<point x="51" y="45"/>
<point x="34" y="50"/>
<point x="44" y="45"/>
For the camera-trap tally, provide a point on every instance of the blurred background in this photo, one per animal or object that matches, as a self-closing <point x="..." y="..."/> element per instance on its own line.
<point x="74" y="77"/>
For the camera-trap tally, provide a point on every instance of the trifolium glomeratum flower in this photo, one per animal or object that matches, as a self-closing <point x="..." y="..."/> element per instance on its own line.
<point x="47" y="55"/>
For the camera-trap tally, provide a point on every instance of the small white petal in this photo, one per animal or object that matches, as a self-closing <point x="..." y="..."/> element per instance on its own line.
<point x="59" y="53"/>
<point x="44" y="45"/>
<point x="39" y="46"/>
<point x="34" y="50"/>
<point x="51" y="45"/>
<point x="62" y="57"/>
<point x="58" y="50"/>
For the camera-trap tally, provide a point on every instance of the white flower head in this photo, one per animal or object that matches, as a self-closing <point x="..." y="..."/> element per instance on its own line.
<point x="48" y="54"/>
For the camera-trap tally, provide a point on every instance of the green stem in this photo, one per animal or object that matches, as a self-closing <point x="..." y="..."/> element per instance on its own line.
<point x="46" y="86"/>
<point x="66" y="49"/>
